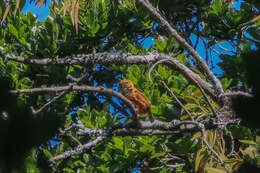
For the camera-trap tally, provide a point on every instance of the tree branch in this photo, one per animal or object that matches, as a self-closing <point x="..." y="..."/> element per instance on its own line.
<point x="147" y="128"/>
<point x="78" y="150"/>
<point x="192" y="77"/>
<point x="89" y="59"/>
<point x="239" y="94"/>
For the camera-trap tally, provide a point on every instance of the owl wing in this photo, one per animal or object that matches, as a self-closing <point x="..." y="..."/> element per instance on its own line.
<point x="142" y="101"/>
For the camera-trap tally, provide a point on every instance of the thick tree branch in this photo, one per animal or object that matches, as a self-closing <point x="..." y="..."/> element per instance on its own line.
<point x="164" y="23"/>
<point x="148" y="128"/>
<point x="89" y="59"/>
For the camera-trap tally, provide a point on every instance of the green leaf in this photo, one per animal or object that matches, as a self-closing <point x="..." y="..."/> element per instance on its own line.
<point x="23" y="41"/>
<point x="217" y="6"/>
<point x="132" y="49"/>
<point x="104" y="168"/>
<point x="154" y="109"/>
<point x="147" y="148"/>
<point x="13" y="30"/>
<point x="157" y="155"/>
<point x="68" y="170"/>
<point x="165" y="170"/>
<point x="155" y="97"/>
<point x="166" y="99"/>
<point x="78" y="163"/>
<point x="160" y="45"/>
<point x="94" y="28"/>
<point x="162" y="72"/>
<point x="199" y="156"/>
<point x="47" y="153"/>
<point x="250" y="142"/>
<point x="196" y="135"/>
<point x="106" y="156"/>
<point x="215" y="170"/>
<point x="132" y="77"/>
<point x="118" y="143"/>
<point x="135" y="69"/>
<point x="226" y="82"/>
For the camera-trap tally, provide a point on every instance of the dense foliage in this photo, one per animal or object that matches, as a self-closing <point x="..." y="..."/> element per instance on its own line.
<point x="65" y="51"/>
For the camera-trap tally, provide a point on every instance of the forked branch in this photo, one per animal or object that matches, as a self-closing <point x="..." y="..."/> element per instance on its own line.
<point x="166" y="25"/>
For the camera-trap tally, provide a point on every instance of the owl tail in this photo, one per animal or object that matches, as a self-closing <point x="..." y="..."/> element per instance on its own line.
<point x="151" y="117"/>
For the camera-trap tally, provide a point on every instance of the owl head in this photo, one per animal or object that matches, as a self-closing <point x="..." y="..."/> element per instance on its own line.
<point x="126" y="86"/>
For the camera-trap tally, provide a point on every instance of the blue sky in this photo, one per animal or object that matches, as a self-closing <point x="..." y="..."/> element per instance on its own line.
<point x="42" y="12"/>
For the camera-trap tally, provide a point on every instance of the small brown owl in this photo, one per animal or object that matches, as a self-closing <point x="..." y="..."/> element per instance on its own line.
<point x="128" y="89"/>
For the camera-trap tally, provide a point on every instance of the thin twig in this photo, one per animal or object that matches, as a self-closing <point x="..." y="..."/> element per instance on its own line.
<point x="239" y="93"/>
<point x="196" y="43"/>
<point x="231" y="153"/>
<point x="214" y="50"/>
<point x="173" y="95"/>
<point x="206" y="51"/>
<point x="225" y="49"/>
<point x="58" y="97"/>
<point x="46" y="105"/>
<point x="207" y="100"/>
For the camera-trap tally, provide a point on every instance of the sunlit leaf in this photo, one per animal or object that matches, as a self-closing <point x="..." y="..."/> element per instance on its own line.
<point x="215" y="170"/>
<point x="118" y="143"/>
<point x="13" y="30"/>
<point x="248" y="142"/>
<point x="72" y="12"/>
<point x="196" y="135"/>
<point x="17" y="3"/>
<point x="199" y="155"/>
<point x="6" y="12"/>
<point x="162" y="72"/>
<point x="47" y="153"/>
<point x="76" y="17"/>
<point x="185" y="117"/>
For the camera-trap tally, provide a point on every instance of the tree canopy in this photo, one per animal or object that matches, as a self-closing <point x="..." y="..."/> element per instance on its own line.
<point x="61" y="109"/>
